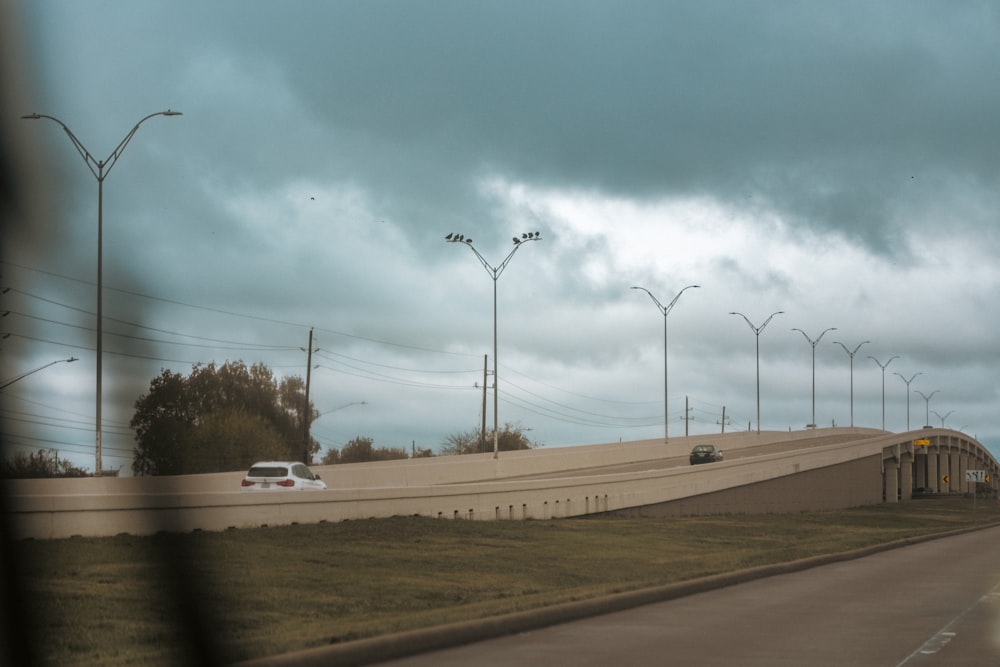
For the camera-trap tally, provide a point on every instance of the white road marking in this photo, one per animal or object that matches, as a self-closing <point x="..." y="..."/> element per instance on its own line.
<point x="941" y="638"/>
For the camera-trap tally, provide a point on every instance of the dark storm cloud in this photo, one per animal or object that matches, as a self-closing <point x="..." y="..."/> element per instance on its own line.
<point x="827" y="111"/>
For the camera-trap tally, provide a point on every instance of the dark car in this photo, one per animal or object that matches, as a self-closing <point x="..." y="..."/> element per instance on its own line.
<point x="705" y="454"/>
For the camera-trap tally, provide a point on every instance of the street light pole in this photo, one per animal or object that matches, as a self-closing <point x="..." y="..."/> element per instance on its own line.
<point x="665" y="310"/>
<point x="756" y="332"/>
<point x="927" y="405"/>
<point x="326" y="412"/>
<point x="494" y="272"/>
<point x="944" y="417"/>
<point x="851" y="355"/>
<point x="883" y="367"/>
<point x="813" y="344"/>
<point x="32" y="372"/>
<point x="100" y="169"/>
<point x="908" y="395"/>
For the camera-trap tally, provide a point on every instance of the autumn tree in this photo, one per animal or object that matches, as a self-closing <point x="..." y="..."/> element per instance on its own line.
<point x="362" y="449"/>
<point x="43" y="463"/>
<point x="511" y="437"/>
<point x="218" y="418"/>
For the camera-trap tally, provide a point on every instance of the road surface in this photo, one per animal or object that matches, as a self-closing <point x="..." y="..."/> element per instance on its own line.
<point x="931" y="604"/>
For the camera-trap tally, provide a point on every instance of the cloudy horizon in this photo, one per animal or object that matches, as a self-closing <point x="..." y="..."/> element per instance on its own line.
<point x="836" y="162"/>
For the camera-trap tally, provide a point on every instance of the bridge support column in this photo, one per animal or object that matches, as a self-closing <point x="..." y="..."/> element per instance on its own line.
<point x="906" y="477"/>
<point x="944" y="463"/>
<point x="891" y="480"/>
<point x="932" y="472"/>
<point x="964" y="461"/>
<point x="955" y="471"/>
<point x="920" y="469"/>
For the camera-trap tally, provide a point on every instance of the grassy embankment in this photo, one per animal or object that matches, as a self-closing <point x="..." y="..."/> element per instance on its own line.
<point x="133" y="600"/>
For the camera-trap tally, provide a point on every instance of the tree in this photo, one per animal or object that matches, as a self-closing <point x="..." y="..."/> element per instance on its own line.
<point x="218" y="418"/>
<point x="511" y="437"/>
<point x="467" y="442"/>
<point x="35" y="465"/>
<point x="357" y="450"/>
<point x="231" y="438"/>
<point x="361" y="449"/>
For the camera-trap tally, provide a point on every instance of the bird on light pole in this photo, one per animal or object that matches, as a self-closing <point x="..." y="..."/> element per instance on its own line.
<point x="756" y="331"/>
<point x="665" y="310"/>
<point x="100" y="169"/>
<point x="927" y="405"/>
<point x="851" y="355"/>
<point x="912" y="377"/>
<point x="813" y="343"/>
<point x="494" y="273"/>
<point x="883" y="367"/>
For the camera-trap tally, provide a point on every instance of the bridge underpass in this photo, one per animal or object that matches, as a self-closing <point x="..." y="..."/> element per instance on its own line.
<point x="767" y="472"/>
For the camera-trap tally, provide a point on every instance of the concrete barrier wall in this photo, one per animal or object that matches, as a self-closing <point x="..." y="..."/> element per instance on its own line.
<point x="402" y="473"/>
<point x="850" y="484"/>
<point x="426" y="471"/>
<point x="822" y="476"/>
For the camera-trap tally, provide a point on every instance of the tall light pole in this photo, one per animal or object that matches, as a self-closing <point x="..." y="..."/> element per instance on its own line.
<point x="100" y="169"/>
<point x="927" y="405"/>
<point x="494" y="272"/>
<point x="883" y="367"/>
<point x="908" y="395"/>
<point x="813" y="343"/>
<point x="948" y="414"/>
<point x="665" y="310"/>
<point x="851" y="355"/>
<point x="756" y="332"/>
<point x="40" y="368"/>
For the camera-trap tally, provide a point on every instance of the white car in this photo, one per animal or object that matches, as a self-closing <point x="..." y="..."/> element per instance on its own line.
<point x="281" y="475"/>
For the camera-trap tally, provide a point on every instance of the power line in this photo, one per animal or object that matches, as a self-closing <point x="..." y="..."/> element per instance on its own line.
<point x="346" y="365"/>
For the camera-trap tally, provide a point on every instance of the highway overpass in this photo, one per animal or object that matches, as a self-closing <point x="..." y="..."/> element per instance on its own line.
<point x="773" y="471"/>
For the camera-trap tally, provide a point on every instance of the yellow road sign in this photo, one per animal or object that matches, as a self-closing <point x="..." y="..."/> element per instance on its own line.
<point x="921" y="441"/>
<point x="946" y="479"/>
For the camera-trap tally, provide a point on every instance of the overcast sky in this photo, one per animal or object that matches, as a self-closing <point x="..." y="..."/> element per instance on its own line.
<point x="839" y="162"/>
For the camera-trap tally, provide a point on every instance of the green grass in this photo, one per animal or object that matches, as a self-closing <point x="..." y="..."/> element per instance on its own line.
<point x="141" y="600"/>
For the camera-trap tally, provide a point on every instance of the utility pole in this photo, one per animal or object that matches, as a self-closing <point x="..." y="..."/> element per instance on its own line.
<point x="306" y="412"/>
<point x="482" y="433"/>
<point x="687" y="416"/>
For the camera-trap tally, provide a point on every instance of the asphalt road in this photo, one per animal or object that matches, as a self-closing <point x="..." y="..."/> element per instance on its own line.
<point x="935" y="603"/>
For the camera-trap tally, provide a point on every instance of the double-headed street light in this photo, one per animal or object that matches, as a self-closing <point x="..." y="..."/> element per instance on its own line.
<point x="927" y="405"/>
<point x="912" y="377"/>
<point x="813" y="344"/>
<point x="756" y="332"/>
<point x="851" y="355"/>
<point x="665" y="310"/>
<point x="946" y="415"/>
<point x="883" y="367"/>
<point x="100" y="169"/>
<point x="494" y="272"/>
